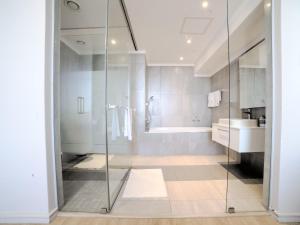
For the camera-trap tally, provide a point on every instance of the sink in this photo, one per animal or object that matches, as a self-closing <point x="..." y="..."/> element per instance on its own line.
<point x="238" y="122"/>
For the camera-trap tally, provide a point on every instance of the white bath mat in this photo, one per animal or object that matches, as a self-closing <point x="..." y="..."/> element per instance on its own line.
<point x="93" y="161"/>
<point x="145" y="183"/>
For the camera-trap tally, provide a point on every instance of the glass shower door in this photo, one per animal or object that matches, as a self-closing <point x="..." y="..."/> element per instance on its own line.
<point x="82" y="106"/>
<point x="95" y="108"/>
<point x="247" y="189"/>
<point x="118" y="111"/>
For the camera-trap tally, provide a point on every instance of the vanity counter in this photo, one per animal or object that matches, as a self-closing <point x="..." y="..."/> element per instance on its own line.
<point x="242" y="139"/>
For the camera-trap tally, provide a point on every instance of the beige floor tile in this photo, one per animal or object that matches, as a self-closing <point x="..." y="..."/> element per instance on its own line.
<point x="190" y="192"/>
<point x="247" y="205"/>
<point x="201" y="208"/>
<point x="239" y="190"/>
<point x="177" y="160"/>
<point x="193" y="190"/>
<point x="142" y="207"/>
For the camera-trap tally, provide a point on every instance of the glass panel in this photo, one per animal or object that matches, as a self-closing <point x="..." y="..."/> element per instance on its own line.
<point x="214" y="185"/>
<point x="82" y="87"/>
<point x="119" y="112"/>
<point x="248" y="62"/>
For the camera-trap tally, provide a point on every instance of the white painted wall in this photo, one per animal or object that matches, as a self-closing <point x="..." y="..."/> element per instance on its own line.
<point x="27" y="189"/>
<point x="285" y="192"/>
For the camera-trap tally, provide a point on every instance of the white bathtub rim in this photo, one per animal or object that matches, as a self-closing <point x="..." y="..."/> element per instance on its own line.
<point x="168" y="130"/>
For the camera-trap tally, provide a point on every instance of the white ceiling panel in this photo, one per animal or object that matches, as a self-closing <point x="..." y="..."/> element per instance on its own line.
<point x="195" y="25"/>
<point x="162" y="28"/>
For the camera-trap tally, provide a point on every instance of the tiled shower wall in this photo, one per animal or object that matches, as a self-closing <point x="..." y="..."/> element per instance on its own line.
<point x="84" y="75"/>
<point x="180" y="98"/>
<point x="220" y="81"/>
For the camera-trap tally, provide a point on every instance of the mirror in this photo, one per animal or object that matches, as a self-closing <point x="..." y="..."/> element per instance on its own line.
<point x="252" y="70"/>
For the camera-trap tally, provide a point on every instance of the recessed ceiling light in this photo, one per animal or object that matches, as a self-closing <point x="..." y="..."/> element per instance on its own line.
<point x="72" y="5"/>
<point x="189" y="41"/>
<point x="80" y="42"/>
<point x="204" y="4"/>
<point x="181" y="58"/>
<point x="113" y="41"/>
<point x="268" y="4"/>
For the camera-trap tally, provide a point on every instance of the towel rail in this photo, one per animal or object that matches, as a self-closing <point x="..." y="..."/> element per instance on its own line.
<point x="111" y="107"/>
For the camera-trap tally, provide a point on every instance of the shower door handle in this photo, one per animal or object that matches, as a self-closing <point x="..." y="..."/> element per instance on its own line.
<point x="80" y="105"/>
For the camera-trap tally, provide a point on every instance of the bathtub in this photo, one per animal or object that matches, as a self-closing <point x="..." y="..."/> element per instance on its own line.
<point x="159" y="130"/>
<point x="177" y="141"/>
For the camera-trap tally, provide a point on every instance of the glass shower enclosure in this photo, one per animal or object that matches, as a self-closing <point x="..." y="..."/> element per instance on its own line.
<point x="94" y="107"/>
<point x="95" y="110"/>
<point x="250" y="101"/>
<point x="119" y="45"/>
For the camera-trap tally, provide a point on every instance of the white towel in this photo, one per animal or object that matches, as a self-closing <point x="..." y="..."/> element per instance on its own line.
<point x="214" y="98"/>
<point x="128" y="124"/>
<point x="115" y="127"/>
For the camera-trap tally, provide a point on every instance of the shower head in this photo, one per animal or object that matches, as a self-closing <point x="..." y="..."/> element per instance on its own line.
<point x="151" y="99"/>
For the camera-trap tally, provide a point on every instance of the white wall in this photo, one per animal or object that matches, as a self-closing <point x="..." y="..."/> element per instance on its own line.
<point x="285" y="192"/>
<point x="27" y="189"/>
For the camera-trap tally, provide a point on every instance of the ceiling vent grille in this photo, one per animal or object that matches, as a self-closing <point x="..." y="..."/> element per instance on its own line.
<point x="195" y="25"/>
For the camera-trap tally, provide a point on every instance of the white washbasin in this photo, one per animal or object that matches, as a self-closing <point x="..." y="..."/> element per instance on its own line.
<point x="238" y="122"/>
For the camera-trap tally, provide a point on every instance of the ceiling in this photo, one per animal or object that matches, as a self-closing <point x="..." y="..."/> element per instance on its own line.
<point x="84" y="30"/>
<point x="255" y="58"/>
<point x="242" y="37"/>
<point x="162" y="28"/>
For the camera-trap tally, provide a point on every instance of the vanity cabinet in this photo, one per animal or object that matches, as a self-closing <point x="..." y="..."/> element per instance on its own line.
<point x="242" y="139"/>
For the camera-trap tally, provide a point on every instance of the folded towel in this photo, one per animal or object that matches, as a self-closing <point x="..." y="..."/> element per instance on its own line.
<point x="115" y="127"/>
<point x="214" y="98"/>
<point x="128" y="123"/>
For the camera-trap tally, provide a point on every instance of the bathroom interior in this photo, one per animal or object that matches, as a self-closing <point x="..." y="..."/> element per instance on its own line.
<point x="163" y="107"/>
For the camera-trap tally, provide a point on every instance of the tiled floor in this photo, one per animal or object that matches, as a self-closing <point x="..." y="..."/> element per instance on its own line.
<point x="196" y="186"/>
<point x="85" y="186"/>
<point x="84" y="196"/>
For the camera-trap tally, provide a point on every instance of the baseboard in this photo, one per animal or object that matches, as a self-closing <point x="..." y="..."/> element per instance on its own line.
<point x="287" y="217"/>
<point x="53" y="214"/>
<point x="28" y="217"/>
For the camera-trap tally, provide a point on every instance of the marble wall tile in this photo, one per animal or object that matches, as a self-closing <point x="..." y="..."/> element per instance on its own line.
<point x="180" y="98"/>
<point x="196" y="85"/>
<point x="200" y="143"/>
<point x="153" y="78"/>
<point x="171" y="105"/>
<point x="138" y="101"/>
<point x="177" y="144"/>
<point x="154" y="106"/>
<point x="137" y="77"/>
<point x="156" y="121"/>
<point x="230" y="98"/>
<point x="171" y="80"/>
<point x="193" y="110"/>
<point x="172" y="121"/>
